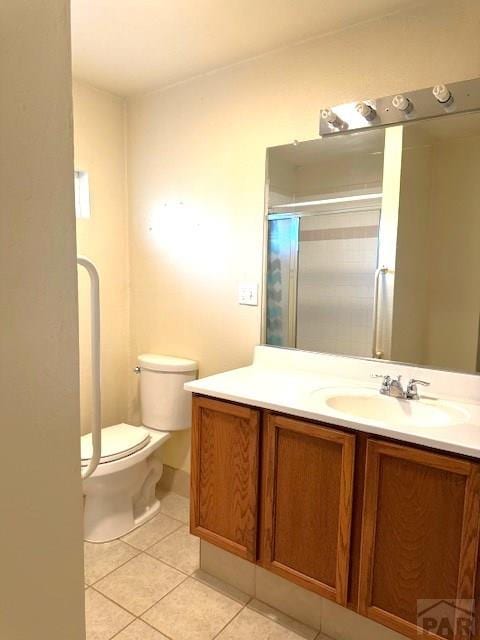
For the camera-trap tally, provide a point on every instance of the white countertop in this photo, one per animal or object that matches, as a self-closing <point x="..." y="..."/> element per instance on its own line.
<point x="297" y="392"/>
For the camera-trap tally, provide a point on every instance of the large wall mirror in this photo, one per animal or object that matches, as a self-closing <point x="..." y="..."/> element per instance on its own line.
<point x="373" y="243"/>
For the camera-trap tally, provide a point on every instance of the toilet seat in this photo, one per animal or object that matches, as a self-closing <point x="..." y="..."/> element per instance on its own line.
<point x="118" y="442"/>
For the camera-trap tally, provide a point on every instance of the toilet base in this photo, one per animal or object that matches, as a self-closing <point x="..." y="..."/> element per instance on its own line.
<point x="145" y="517"/>
<point x="117" y="503"/>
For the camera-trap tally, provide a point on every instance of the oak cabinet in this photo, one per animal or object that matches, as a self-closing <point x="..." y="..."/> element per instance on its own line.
<point x="224" y="475"/>
<point x="307" y="504"/>
<point x="420" y="534"/>
<point x="368" y="523"/>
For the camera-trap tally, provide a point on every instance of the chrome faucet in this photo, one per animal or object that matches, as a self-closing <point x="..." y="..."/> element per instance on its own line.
<point x="412" y="391"/>
<point x="393" y="387"/>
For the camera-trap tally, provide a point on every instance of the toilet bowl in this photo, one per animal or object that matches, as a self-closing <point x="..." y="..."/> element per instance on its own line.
<point x="120" y="494"/>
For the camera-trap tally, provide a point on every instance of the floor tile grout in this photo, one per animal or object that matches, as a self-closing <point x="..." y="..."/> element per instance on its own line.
<point x="159" y="539"/>
<point x="118" y="605"/>
<point x="135" y="616"/>
<point x="218" y="588"/>
<point x="115" y="602"/>
<point x="94" y="585"/>
<point x="149" y="607"/>
<point x="152" y="627"/>
<point x="145" y="623"/>
<point x="138" y="552"/>
<point x="153" y="543"/>
<point x="160" y="599"/>
<point x="117" y="567"/>
<point x="232" y="619"/>
<point x="145" y="552"/>
<point x="286" y="615"/>
<point x="172" y="566"/>
<point x="186" y="577"/>
<point x="205" y="583"/>
<point x="202" y="583"/>
<point x="163" y="537"/>
<point x="244" y="606"/>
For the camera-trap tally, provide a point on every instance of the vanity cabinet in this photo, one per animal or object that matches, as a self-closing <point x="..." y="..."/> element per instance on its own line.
<point x="420" y="533"/>
<point x="369" y="523"/>
<point x="225" y="475"/>
<point x="307" y="504"/>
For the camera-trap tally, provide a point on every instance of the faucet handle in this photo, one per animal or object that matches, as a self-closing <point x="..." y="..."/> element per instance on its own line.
<point x="386" y="382"/>
<point x="412" y="392"/>
<point x="422" y="382"/>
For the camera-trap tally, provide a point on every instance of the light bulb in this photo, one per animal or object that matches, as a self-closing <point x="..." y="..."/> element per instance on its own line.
<point x="442" y="94"/>
<point x="366" y="111"/>
<point x="402" y="103"/>
<point x="333" y="119"/>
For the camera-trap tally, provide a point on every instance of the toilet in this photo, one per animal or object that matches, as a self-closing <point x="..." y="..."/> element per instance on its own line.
<point x="120" y="494"/>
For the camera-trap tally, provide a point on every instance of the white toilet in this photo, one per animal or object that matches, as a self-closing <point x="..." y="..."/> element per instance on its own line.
<point x="120" y="494"/>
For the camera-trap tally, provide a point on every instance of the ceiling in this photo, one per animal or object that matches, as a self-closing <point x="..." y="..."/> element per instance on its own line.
<point x="136" y="46"/>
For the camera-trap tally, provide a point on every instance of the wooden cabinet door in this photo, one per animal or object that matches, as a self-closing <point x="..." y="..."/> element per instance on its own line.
<point x="307" y="504"/>
<point x="420" y="537"/>
<point x="224" y="475"/>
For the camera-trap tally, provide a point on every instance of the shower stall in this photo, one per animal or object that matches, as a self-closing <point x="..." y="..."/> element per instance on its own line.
<point x="321" y="278"/>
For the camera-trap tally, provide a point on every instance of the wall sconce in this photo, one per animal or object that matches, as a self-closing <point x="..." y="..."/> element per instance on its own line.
<point x="402" y="103"/>
<point x="442" y="94"/>
<point x="366" y="111"/>
<point x="333" y="119"/>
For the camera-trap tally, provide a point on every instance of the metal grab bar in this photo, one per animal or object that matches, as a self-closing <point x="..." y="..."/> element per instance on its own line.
<point x="375" y="352"/>
<point x="95" y="355"/>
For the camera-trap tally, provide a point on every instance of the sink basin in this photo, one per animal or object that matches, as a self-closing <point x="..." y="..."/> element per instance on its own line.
<point x="369" y="405"/>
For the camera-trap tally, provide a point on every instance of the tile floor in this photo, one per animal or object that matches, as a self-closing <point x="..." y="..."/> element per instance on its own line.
<point x="148" y="586"/>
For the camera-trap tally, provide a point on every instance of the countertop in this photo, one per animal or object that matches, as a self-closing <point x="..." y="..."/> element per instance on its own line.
<point x="298" y="393"/>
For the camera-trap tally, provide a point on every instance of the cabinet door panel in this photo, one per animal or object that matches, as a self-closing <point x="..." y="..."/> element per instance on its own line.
<point x="307" y="502"/>
<point x="224" y="475"/>
<point x="419" y="536"/>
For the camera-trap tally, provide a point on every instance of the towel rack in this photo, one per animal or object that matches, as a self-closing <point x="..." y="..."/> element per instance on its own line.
<point x="378" y="272"/>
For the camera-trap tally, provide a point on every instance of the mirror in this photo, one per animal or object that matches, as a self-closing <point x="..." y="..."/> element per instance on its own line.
<point x="373" y="244"/>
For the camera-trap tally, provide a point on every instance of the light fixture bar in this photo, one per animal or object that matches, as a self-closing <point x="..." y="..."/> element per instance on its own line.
<point x="432" y="102"/>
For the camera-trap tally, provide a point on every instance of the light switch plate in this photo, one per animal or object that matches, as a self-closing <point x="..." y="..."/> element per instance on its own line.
<point x="248" y="293"/>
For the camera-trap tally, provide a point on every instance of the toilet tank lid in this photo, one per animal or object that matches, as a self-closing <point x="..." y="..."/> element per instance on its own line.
<point x="154" y="362"/>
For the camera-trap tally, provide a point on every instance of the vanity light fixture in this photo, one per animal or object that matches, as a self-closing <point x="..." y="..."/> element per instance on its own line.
<point x="392" y="110"/>
<point x="333" y="119"/>
<point x="366" y="111"/>
<point x="402" y="103"/>
<point x="442" y="94"/>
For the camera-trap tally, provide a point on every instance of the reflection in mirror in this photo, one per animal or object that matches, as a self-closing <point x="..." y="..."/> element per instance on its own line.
<point x="323" y="234"/>
<point x="372" y="246"/>
<point x="437" y="282"/>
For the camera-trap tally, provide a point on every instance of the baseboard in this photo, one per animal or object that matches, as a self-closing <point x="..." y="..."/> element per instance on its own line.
<point x="175" y="480"/>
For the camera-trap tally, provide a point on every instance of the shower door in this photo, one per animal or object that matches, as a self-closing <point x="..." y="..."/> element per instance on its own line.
<point x="320" y="280"/>
<point x="281" y="284"/>
<point x="338" y="255"/>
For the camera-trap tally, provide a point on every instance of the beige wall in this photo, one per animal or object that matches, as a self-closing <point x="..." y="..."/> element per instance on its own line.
<point x="203" y="142"/>
<point x="41" y="586"/>
<point x="99" y="122"/>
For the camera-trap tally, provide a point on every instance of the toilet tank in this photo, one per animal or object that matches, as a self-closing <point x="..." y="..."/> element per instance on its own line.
<point x="165" y="405"/>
